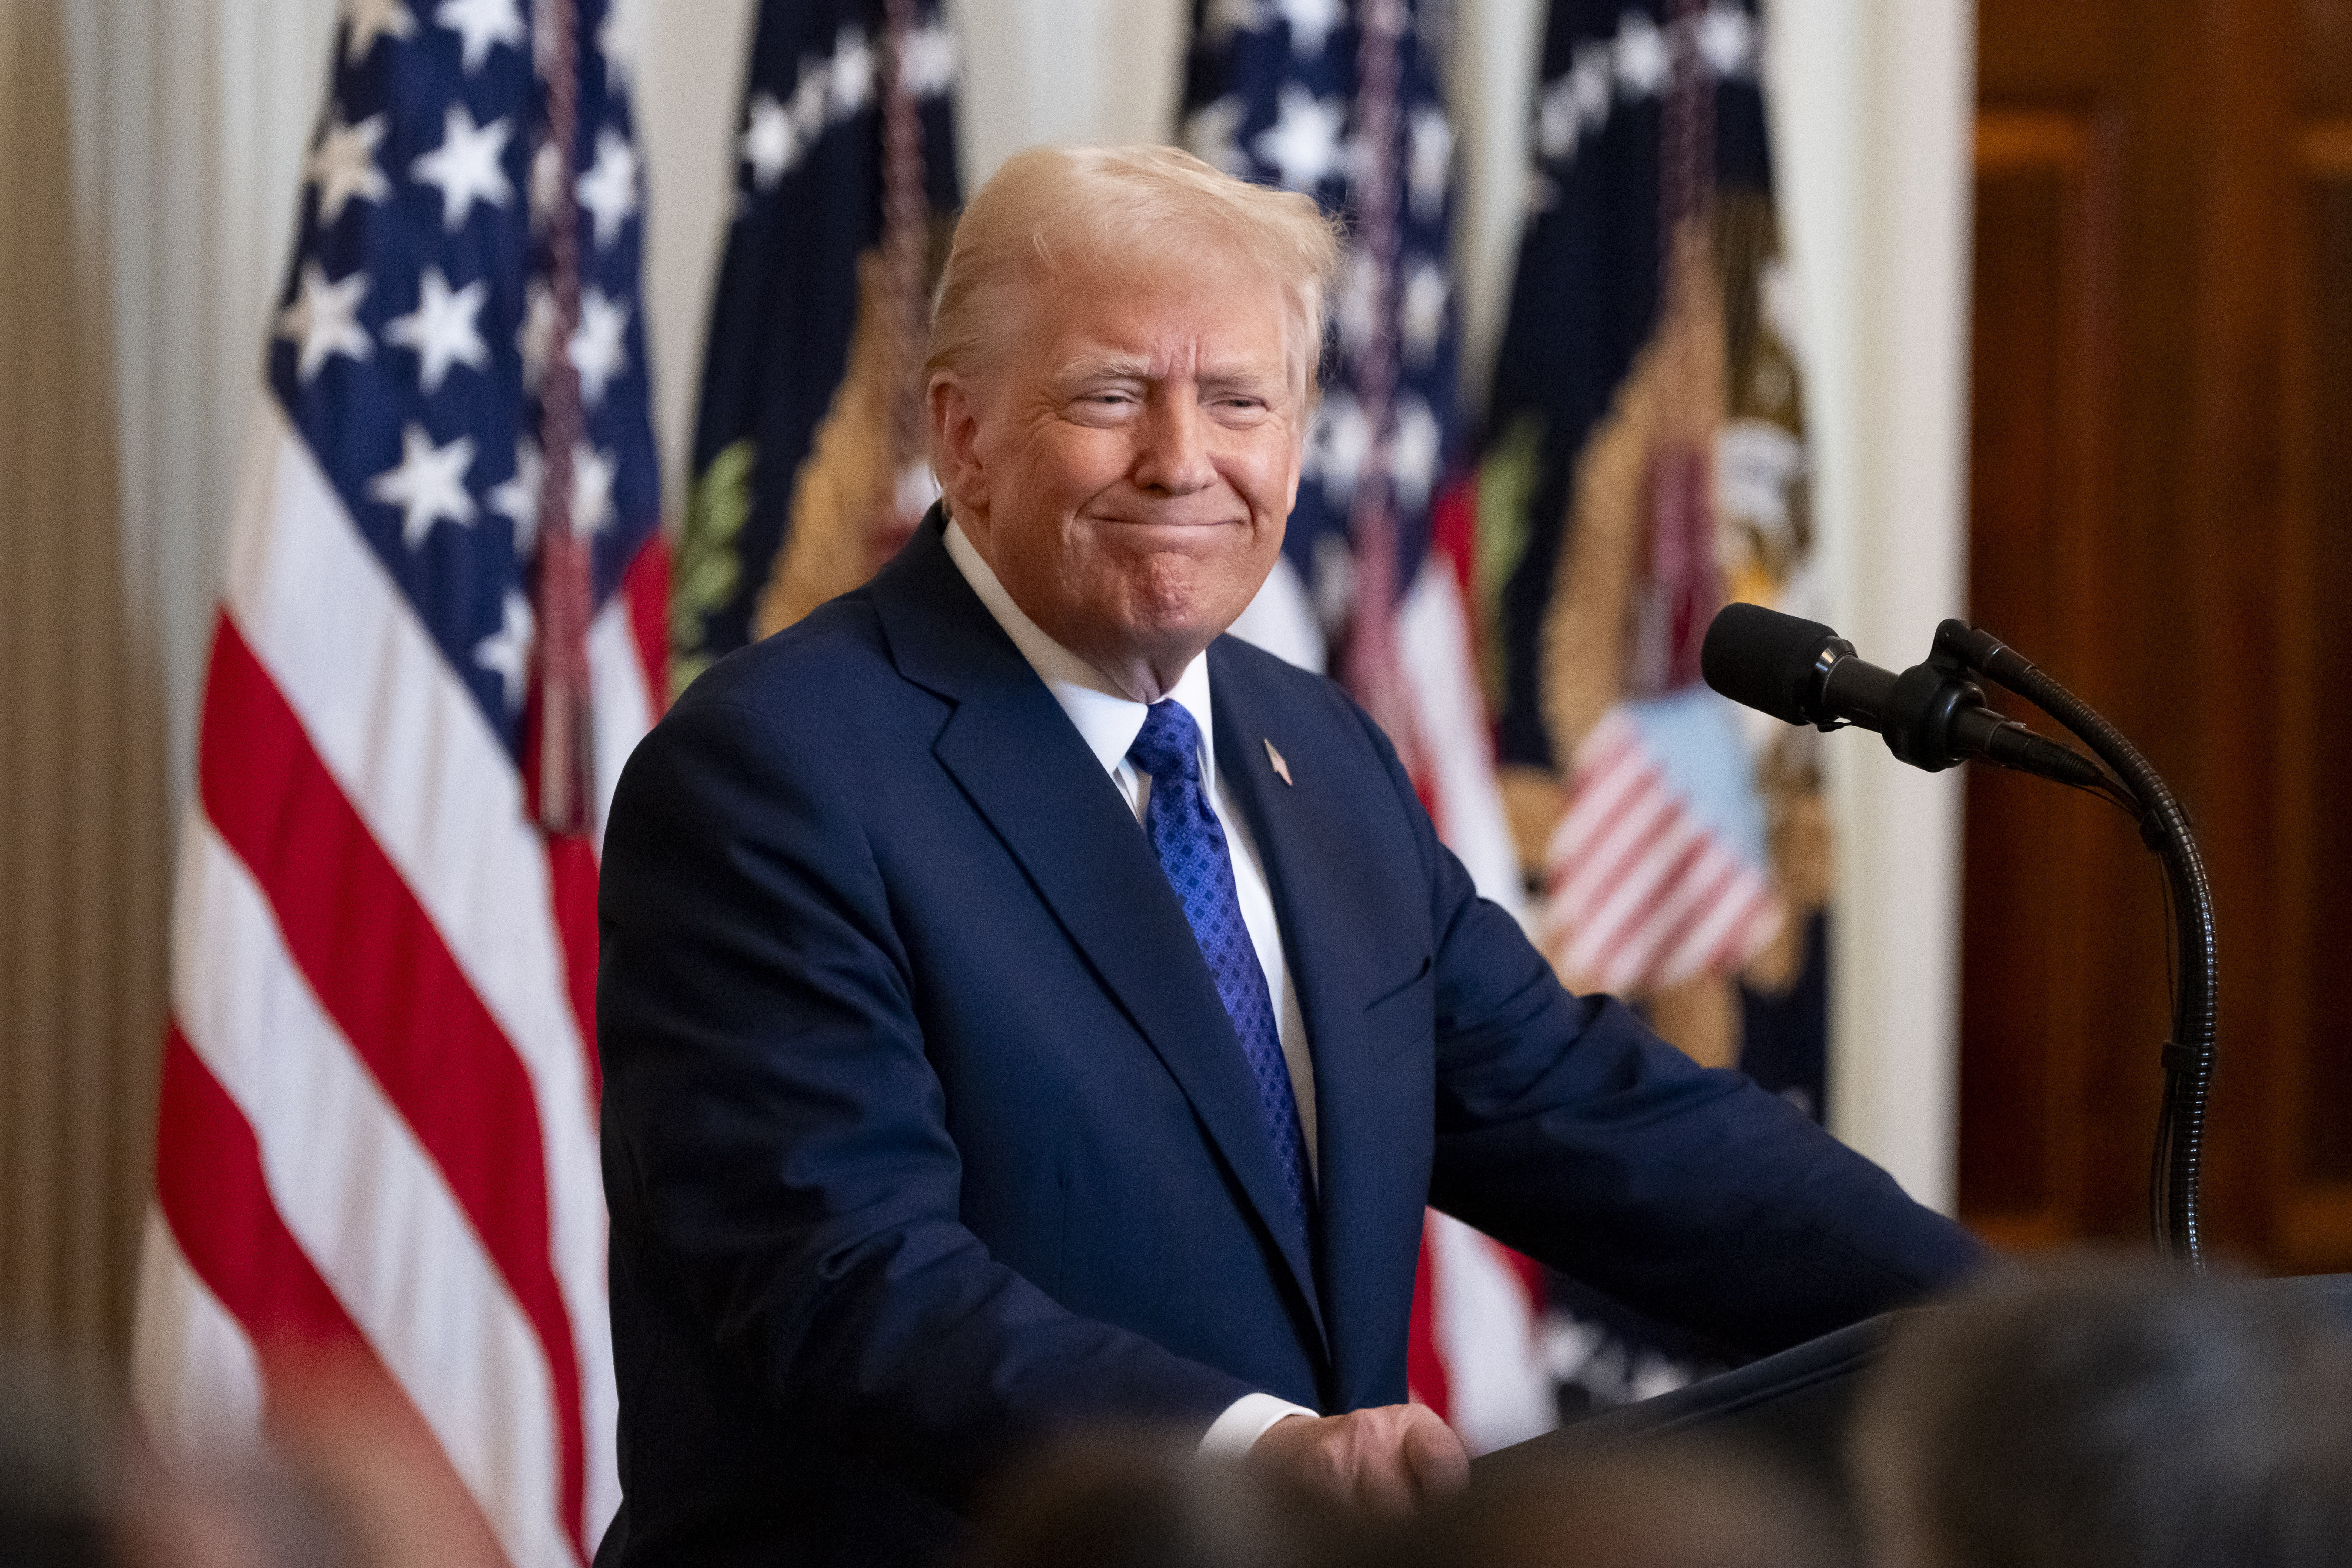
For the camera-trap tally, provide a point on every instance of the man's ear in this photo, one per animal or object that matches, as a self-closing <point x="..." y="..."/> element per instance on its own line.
<point x="955" y="443"/>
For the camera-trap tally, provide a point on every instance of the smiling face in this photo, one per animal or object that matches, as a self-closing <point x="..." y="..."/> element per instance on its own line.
<point x="1128" y="461"/>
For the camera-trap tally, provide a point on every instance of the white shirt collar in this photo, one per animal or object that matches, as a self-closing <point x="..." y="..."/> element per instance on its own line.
<point x="1108" y="721"/>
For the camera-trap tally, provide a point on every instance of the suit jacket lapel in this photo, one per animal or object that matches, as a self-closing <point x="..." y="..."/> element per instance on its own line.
<point x="1340" y="938"/>
<point x="1016" y="755"/>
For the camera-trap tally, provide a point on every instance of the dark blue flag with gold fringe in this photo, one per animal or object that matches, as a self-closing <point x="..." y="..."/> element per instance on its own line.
<point x="1642" y="464"/>
<point x="809" y="448"/>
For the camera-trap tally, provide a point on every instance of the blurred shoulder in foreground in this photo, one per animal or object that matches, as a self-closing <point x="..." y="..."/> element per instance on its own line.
<point x="2111" y="1414"/>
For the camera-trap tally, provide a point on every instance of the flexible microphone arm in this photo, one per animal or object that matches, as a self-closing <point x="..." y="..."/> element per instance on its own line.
<point x="2188" y="1055"/>
<point x="1933" y="717"/>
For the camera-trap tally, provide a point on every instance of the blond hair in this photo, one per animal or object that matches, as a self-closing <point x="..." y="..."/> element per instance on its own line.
<point x="1059" y="209"/>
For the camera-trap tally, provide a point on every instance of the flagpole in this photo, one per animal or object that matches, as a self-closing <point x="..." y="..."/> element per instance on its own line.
<point x="565" y="736"/>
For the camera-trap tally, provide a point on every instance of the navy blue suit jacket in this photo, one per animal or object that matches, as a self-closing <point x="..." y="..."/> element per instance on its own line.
<point x="926" y="1134"/>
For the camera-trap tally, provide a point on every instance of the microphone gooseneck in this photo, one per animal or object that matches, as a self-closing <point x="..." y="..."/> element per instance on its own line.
<point x="1931" y="716"/>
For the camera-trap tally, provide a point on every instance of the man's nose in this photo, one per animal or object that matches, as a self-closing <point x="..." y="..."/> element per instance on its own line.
<point x="1172" y="458"/>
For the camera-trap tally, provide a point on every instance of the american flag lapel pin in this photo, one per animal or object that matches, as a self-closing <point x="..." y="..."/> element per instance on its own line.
<point x="1281" y="768"/>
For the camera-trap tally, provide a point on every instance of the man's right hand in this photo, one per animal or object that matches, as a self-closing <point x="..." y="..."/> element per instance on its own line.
<point x="1389" y="1459"/>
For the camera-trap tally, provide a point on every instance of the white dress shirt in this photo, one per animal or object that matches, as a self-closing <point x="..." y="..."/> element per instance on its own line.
<point x="1109" y="722"/>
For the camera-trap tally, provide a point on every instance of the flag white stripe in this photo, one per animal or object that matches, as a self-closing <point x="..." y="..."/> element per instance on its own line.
<point x="1638" y="942"/>
<point x="441" y="796"/>
<point x="1740" y="922"/>
<point x="1608" y="765"/>
<point x="1433" y="647"/>
<point x="366" y="1202"/>
<point x="1497" y="1389"/>
<point x="195" y="1379"/>
<point x="1650" y="815"/>
<point x="1620" y="907"/>
<point x="624" y="708"/>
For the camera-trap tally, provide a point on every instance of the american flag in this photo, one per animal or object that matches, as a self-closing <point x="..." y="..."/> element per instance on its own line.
<point x="441" y="631"/>
<point x="1344" y="99"/>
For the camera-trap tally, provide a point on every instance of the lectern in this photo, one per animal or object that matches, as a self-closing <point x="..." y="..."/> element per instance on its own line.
<point x="1792" y="1408"/>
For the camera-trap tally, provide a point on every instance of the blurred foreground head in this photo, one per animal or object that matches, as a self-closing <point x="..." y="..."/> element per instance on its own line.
<point x="1131" y="1499"/>
<point x="348" y="1478"/>
<point x="2110" y="1415"/>
<point x="57" y="1482"/>
<point x="1660" y="1504"/>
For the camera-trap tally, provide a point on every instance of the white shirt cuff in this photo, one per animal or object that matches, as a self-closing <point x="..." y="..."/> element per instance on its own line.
<point x="1244" y="1421"/>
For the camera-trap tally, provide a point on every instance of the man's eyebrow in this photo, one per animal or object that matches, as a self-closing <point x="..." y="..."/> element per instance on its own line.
<point x="1103" y="367"/>
<point x="1113" y="366"/>
<point x="1245" y="377"/>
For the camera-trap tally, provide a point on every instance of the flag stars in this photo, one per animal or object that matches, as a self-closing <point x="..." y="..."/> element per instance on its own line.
<point x="1412" y="453"/>
<point x="365" y="21"/>
<point x="517" y="500"/>
<point x="850" y="79"/>
<point x="593" y="473"/>
<point x="1426" y="293"/>
<point x="1430" y="166"/>
<point x="467" y="165"/>
<point x="927" y="65"/>
<point x="1557" y="124"/>
<point x="1213" y="131"/>
<point x="616" y="41"/>
<point x="811" y="97"/>
<point x="770" y="141"/>
<point x="324" y="319"/>
<point x="429" y="485"/>
<point x="342" y="166"/>
<point x="1589" y="82"/>
<point x="482" y="26"/>
<point x="1343" y="439"/>
<point x="443" y="329"/>
<point x="1644" y="61"/>
<point x="1303" y="146"/>
<point x="1727" y="40"/>
<point x="609" y="189"/>
<point x="598" y="349"/>
<point x="1577" y="102"/>
<point x="1312" y="23"/>
<point x="505" y="653"/>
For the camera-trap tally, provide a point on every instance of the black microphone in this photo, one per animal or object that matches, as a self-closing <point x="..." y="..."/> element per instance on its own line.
<point x="1802" y="672"/>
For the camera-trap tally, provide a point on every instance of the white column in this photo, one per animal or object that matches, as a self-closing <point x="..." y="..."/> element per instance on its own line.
<point x="1873" y="111"/>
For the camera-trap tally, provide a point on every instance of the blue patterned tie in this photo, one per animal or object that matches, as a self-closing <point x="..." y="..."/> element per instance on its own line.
<point x="1191" y="845"/>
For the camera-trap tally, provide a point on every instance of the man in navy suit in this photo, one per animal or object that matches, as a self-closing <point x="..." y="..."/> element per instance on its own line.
<point x="1024" y="1006"/>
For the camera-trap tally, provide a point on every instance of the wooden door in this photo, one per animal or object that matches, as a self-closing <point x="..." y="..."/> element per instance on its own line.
<point x="2161" y="515"/>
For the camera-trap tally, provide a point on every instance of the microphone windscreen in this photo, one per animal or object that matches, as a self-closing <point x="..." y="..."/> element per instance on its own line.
<point x="1764" y="659"/>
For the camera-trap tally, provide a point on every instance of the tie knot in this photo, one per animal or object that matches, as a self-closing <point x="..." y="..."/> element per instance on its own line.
<point x="1170" y="746"/>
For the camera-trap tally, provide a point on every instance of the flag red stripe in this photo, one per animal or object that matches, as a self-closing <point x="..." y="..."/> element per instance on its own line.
<point x="210" y="1186"/>
<point x="1424" y="1367"/>
<point x="572" y="893"/>
<point x="208" y="1181"/>
<point x="1630" y="925"/>
<point x="1640" y="805"/>
<point x="381" y="972"/>
<point x="1588" y="882"/>
<point x="1662" y="930"/>
<point x="646" y="587"/>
